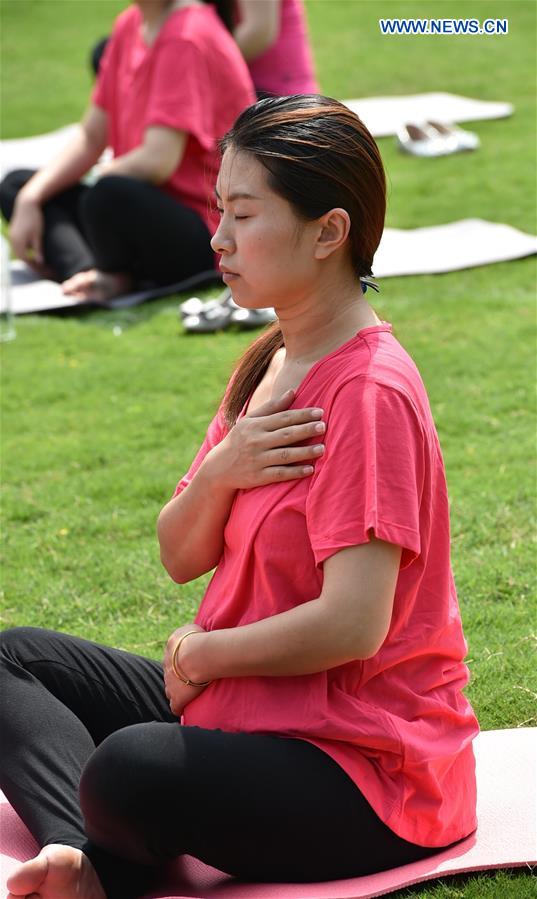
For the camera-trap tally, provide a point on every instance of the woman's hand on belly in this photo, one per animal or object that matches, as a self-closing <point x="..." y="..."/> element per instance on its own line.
<point x="264" y="447"/>
<point x="178" y="693"/>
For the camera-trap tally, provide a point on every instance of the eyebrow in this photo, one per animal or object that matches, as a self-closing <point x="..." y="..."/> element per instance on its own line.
<point x="238" y="195"/>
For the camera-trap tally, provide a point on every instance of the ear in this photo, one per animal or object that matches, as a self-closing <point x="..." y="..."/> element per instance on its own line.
<point x="334" y="227"/>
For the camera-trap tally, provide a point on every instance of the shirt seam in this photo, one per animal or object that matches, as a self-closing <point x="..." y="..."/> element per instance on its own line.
<point x="384" y="521"/>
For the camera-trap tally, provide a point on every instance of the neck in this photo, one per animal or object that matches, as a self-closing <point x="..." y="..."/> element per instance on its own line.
<point x="155" y="12"/>
<point x="324" y="319"/>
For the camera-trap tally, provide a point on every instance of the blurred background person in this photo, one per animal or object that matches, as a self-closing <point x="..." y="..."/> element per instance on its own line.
<point x="171" y="81"/>
<point x="273" y="38"/>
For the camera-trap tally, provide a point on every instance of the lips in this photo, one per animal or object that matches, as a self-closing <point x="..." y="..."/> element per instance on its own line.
<point x="227" y="275"/>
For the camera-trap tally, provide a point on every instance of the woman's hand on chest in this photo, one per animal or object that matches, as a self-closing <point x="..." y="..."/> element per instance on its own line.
<point x="267" y="446"/>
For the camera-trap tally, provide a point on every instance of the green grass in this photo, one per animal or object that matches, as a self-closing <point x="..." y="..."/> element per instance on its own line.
<point x="98" y="426"/>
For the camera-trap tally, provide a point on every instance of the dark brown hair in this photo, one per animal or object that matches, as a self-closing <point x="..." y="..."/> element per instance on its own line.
<point x="224" y="8"/>
<point x="318" y="155"/>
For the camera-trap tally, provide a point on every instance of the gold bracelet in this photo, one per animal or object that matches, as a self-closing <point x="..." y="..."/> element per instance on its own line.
<point x="177" y="671"/>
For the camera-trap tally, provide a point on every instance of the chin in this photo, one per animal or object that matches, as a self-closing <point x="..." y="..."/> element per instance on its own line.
<point x="246" y="300"/>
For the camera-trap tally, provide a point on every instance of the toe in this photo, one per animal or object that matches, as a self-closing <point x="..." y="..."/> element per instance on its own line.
<point x="28" y="877"/>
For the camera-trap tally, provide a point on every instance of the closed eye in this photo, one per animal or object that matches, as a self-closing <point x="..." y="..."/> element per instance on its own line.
<point x="220" y="212"/>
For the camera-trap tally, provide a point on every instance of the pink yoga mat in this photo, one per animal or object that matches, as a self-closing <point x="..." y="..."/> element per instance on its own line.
<point x="506" y="837"/>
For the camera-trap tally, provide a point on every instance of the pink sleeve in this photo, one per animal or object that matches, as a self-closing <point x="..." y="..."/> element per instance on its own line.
<point x="181" y="92"/>
<point x="216" y="432"/>
<point x="370" y="477"/>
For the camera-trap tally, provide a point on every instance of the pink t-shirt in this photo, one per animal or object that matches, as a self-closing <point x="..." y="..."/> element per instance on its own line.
<point x="287" y="66"/>
<point x="192" y="78"/>
<point x="397" y="723"/>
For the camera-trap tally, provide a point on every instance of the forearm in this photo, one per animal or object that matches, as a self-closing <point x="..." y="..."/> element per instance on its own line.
<point x="66" y="169"/>
<point x="139" y="164"/>
<point x="191" y="527"/>
<point x="303" y="640"/>
<point x="349" y="620"/>
<point x="155" y="159"/>
<point x="258" y="28"/>
<point x="250" y="40"/>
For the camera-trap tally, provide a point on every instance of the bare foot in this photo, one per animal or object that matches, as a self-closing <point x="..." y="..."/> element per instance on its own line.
<point x="58" y="872"/>
<point x="96" y="285"/>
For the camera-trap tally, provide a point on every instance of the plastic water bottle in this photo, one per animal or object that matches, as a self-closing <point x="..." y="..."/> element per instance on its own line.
<point x="7" y="324"/>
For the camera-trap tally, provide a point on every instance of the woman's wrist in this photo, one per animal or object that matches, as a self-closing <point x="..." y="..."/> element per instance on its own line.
<point x="191" y="655"/>
<point x="211" y="475"/>
<point x="28" y="196"/>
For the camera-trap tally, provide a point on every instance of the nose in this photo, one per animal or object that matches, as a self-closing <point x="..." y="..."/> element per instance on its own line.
<point x="221" y="241"/>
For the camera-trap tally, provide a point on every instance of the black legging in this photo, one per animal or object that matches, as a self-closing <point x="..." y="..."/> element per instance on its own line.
<point x="256" y="806"/>
<point x="119" y="224"/>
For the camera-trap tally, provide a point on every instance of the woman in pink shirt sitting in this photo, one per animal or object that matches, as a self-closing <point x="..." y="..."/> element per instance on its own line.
<point x="171" y="82"/>
<point x="273" y="38"/>
<point x="317" y="727"/>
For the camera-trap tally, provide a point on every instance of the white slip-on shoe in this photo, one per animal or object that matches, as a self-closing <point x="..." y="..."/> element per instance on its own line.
<point x="252" y="318"/>
<point x="421" y="140"/>
<point x="213" y="317"/>
<point x="192" y="306"/>
<point x="195" y="306"/>
<point x="466" y="140"/>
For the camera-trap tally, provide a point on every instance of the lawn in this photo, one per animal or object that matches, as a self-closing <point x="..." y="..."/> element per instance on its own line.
<point x="102" y="412"/>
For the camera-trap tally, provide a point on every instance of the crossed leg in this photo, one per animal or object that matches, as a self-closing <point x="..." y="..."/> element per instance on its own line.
<point x="97" y="766"/>
<point x="60" y="698"/>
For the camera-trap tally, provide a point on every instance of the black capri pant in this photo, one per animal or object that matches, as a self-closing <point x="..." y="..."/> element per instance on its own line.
<point x="119" y="224"/>
<point x="93" y="758"/>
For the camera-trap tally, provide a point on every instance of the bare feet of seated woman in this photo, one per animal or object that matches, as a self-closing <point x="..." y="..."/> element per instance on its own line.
<point x="96" y="286"/>
<point x="58" y="872"/>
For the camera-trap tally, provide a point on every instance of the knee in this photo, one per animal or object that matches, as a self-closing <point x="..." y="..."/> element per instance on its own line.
<point x="108" y="194"/>
<point x="104" y="792"/>
<point x="15" y="642"/>
<point x="116" y="794"/>
<point x="9" y="188"/>
<point x="7" y="197"/>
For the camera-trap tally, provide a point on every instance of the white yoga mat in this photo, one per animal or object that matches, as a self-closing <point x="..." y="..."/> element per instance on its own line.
<point x="441" y="248"/>
<point x="384" y="115"/>
<point x="33" y="152"/>
<point x="448" y="248"/>
<point x="29" y="293"/>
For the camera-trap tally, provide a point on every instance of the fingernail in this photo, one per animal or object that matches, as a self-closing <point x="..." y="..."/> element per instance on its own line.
<point x="319" y="448"/>
<point x="316" y="413"/>
<point x="320" y="427"/>
<point x="308" y="469"/>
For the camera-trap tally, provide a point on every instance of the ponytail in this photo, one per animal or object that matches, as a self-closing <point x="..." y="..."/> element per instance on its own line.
<point x="251" y="368"/>
<point x="224" y="8"/>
